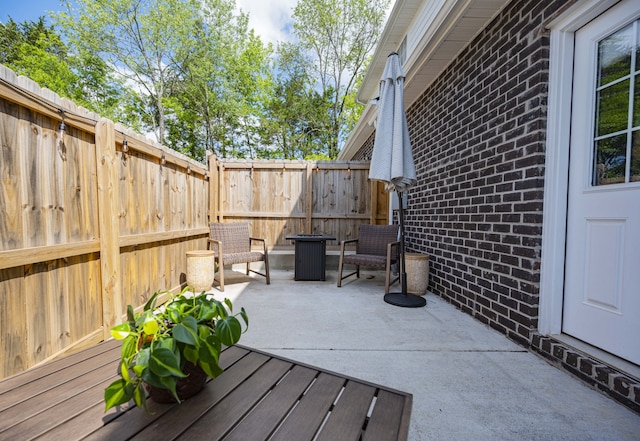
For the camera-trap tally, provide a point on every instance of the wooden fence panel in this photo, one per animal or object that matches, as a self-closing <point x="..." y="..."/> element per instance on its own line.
<point x="280" y="198"/>
<point x="85" y="228"/>
<point x="14" y="321"/>
<point x="11" y="191"/>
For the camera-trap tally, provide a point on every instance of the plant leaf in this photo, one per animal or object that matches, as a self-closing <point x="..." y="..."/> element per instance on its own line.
<point x="121" y="331"/>
<point x="187" y="331"/>
<point x="150" y="326"/>
<point x="191" y="354"/>
<point x="164" y="363"/>
<point x="229" y="330"/>
<point x="131" y="318"/>
<point x="129" y="346"/>
<point x="209" y="356"/>
<point x="140" y="396"/>
<point x="139" y="370"/>
<point x="118" y="392"/>
<point x="245" y="317"/>
<point x="151" y="303"/>
<point x="124" y="371"/>
<point x="206" y="313"/>
<point x="170" y="384"/>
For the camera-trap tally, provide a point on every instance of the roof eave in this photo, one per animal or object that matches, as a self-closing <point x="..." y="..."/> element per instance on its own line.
<point x="454" y="25"/>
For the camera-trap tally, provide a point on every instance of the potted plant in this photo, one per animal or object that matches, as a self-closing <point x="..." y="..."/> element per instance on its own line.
<point x="165" y="348"/>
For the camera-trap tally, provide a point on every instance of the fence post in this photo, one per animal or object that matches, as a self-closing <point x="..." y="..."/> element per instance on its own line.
<point x="219" y="192"/>
<point x="373" y="188"/>
<point x="213" y="187"/>
<point x="309" y="198"/>
<point x="108" y="204"/>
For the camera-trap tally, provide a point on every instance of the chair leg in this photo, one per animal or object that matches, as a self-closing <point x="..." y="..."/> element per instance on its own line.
<point x="386" y="283"/>
<point x="266" y="268"/>
<point x="340" y="271"/>
<point x="388" y="277"/>
<point x="221" y="273"/>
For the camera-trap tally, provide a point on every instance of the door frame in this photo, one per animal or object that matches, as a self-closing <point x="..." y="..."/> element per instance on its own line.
<point x="556" y="178"/>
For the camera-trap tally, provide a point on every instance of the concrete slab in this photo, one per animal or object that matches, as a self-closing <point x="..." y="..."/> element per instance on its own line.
<point x="468" y="381"/>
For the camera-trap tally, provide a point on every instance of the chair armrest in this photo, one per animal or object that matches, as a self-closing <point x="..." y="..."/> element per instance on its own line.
<point x="390" y="247"/>
<point x="215" y="246"/>
<point x="260" y="239"/>
<point x="346" y="242"/>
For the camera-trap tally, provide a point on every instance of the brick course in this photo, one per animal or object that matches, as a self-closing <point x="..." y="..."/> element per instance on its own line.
<point x="478" y="134"/>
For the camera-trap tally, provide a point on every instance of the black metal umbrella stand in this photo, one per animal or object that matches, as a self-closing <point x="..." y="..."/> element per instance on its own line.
<point x="403" y="298"/>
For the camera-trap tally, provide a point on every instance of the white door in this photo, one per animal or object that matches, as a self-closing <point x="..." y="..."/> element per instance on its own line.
<point x="602" y="273"/>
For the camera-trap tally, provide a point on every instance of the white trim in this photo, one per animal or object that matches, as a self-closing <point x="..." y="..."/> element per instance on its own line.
<point x="556" y="178"/>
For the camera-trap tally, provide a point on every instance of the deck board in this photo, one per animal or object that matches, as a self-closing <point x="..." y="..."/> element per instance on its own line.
<point x="306" y="418"/>
<point x="349" y="414"/>
<point x="238" y="403"/>
<point x="266" y="416"/>
<point x="386" y="418"/>
<point x="259" y="396"/>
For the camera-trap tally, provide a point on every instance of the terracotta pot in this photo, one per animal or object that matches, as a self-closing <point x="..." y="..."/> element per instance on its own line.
<point x="186" y="387"/>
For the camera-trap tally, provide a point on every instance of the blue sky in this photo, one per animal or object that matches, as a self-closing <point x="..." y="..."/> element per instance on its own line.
<point x="21" y="10"/>
<point x="271" y="19"/>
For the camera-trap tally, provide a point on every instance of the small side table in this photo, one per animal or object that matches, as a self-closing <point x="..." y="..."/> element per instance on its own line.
<point x="310" y="256"/>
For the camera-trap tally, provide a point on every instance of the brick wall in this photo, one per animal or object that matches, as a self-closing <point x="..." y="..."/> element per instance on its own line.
<point x="478" y="137"/>
<point x="366" y="150"/>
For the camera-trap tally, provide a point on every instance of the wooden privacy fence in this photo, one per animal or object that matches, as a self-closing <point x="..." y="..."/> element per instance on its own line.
<point x="95" y="217"/>
<point x="281" y="198"/>
<point x="85" y="228"/>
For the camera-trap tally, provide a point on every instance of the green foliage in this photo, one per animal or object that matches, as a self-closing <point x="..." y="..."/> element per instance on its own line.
<point x="193" y="73"/>
<point x="157" y="342"/>
<point x="203" y="72"/>
<point x="37" y="51"/>
<point x="341" y="35"/>
<point x="296" y="119"/>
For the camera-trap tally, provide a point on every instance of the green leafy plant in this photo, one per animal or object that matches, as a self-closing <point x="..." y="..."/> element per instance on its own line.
<point x="158" y="341"/>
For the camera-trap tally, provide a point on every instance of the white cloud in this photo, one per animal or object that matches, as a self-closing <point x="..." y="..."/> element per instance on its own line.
<point x="270" y="19"/>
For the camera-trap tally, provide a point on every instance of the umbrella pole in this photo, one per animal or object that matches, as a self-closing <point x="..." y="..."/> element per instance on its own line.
<point x="403" y="298"/>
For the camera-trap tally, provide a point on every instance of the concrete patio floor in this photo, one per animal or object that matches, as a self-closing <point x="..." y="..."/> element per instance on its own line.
<point x="468" y="381"/>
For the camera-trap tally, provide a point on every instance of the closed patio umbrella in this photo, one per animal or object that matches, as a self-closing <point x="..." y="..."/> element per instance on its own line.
<point x="392" y="159"/>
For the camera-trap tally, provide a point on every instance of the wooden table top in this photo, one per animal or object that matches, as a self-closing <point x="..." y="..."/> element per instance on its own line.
<point x="257" y="397"/>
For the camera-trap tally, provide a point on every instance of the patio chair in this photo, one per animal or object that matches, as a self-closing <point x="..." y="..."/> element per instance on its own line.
<point x="231" y="243"/>
<point x="376" y="246"/>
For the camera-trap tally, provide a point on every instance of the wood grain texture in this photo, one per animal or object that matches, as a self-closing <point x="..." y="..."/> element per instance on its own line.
<point x="301" y="197"/>
<point x="83" y="222"/>
<point x="258" y="397"/>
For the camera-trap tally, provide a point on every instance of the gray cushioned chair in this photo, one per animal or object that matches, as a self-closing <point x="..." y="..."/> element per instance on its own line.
<point x="231" y="243"/>
<point x="377" y="246"/>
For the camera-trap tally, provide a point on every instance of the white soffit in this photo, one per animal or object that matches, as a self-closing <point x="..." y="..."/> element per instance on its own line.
<point x="437" y="31"/>
<point x="449" y="29"/>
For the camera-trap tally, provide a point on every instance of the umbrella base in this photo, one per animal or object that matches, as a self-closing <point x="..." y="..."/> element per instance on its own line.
<point x="405" y="300"/>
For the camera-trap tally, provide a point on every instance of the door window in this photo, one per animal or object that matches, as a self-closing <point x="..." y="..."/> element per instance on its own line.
<point x="617" y="111"/>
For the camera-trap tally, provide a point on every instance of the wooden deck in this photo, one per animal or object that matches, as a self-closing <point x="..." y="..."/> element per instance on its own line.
<point x="259" y="397"/>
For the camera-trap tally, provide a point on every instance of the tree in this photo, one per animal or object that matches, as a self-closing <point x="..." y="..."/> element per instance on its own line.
<point x="194" y="63"/>
<point x="37" y="51"/>
<point x="341" y="35"/>
<point x="296" y="121"/>
<point x="145" y="42"/>
<point x="220" y="100"/>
